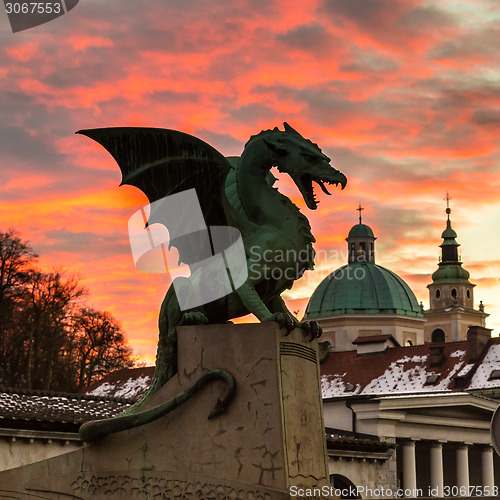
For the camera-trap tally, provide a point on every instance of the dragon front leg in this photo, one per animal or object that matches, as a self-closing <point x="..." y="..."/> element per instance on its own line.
<point x="252" y="301"/>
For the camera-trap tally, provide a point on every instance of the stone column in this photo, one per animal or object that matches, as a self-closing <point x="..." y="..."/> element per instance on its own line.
<point x="409" y="466"/>
<point x="463" y="466"/>
<point x="487" y="468"/>
<point x="437" y="476"/>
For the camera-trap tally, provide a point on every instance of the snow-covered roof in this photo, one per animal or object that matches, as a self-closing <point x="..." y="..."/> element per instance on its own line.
<point x="129" y="383"/>
<point x="407" y="370"/>
<point x="396" y="370"/>
<point x="52" y="407"/>
<point x="482" y="376"/>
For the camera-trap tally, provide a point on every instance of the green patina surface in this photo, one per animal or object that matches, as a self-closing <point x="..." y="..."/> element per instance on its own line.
<point x="363" y="288"/>
<point x="361" y="231"/>
<point x="451" y="273"/>
<point x="450" y="268"/>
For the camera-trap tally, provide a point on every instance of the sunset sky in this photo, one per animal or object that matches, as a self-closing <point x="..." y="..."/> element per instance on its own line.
<point x="403" y="95"/>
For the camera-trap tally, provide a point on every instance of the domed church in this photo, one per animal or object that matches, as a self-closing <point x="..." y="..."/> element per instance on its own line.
<point x="365" y="303"/>
<point x="362" y="300"/>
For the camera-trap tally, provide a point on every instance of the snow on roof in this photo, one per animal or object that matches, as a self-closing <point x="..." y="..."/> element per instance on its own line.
<point x="400" y="370"/>
<point x="39" y="406"/>
<point x="129" y="383"/>
<point x="130" y="389"/>
<point x="397" y="370"/>
<point x="491" y="361"/>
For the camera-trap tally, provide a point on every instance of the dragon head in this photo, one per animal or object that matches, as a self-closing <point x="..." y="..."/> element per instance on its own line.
<point x="304" y="162"/>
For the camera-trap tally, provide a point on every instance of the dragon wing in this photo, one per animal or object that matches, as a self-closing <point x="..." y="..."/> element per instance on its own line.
<point x="162" y="162"/>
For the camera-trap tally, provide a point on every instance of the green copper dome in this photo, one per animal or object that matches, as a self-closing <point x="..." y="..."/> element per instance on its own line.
<point x="451" y="274"/>
<point x="363" y="288"/>
<point x="449" y="233"/>
<point x="361" y="231"/>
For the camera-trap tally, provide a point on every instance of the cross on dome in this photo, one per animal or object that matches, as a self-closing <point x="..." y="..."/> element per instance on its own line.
<point x="447" y="198"/>
<point x="359" y="209"/>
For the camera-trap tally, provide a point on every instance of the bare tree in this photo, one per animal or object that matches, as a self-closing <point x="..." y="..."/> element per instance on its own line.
<point x="99" y="346"/>
<point x="51" y="302"/>
<point x="16" y="262"/>
<point x="48" y="338"/>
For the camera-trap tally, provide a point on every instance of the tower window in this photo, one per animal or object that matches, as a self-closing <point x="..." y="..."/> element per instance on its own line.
<point x="454" y="293"/>
<point x="361" y="252"/>
<point x="468" y="294"/>
<point x="438" y="336"/>
<point x="438" y="294"/>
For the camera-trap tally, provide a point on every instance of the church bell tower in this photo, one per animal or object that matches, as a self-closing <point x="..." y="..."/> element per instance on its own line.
<point x="451" y="294"/>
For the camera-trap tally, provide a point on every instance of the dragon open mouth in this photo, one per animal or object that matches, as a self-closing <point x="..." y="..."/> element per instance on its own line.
<point x="305" y="185"/>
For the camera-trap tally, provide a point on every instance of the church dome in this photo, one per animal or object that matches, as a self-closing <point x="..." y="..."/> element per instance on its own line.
<point x="451" y="274"/>
<point x="361" y="231"/>
<point x="363" y="288"/>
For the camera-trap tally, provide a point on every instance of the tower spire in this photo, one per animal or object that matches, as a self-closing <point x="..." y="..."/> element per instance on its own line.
<point x="447" y="198"/>
<point x="359" y="209"/>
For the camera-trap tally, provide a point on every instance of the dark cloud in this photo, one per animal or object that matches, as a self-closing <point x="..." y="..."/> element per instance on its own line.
<point x="254" y="113"/>
<point x="473" y="45"/>
<point x="364" y="12"/>
<point x="224" y="143"/>
<point x="427" y="18"/>
<point x="95" y="246"/>
<point x="311" y="37"/>
<point x="97" y="64"/>
<point x="34" y="152"/>
<point x="486" y="117"/>
<point x="368" y="63"/>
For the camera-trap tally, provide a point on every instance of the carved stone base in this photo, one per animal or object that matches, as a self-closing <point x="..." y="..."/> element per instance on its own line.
<point x="271" y="438"/>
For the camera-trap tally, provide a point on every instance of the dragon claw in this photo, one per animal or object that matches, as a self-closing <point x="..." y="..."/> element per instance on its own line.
<point x="312" y="330"/>
<point x="285" y="320"/>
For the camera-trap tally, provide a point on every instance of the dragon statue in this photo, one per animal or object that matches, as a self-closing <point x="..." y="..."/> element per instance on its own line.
<point x="236" y="192"/>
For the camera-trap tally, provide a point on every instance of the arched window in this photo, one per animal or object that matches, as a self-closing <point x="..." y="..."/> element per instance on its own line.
<point x="438" y="336"/>
<point x="454" y="293"/>
<point x="344" y="485"/>
<point x="468" y="294"/>
<point x="438" y="294"/>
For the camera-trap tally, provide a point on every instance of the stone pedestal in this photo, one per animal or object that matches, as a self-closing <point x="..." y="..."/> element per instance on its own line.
<point x="271" y="438"/>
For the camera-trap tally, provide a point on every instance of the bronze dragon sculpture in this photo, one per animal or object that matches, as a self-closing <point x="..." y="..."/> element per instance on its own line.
<point x="237" y="192"/>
